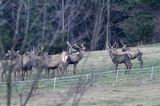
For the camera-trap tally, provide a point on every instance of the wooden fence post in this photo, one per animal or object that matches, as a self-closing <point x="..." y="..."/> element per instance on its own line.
<point x="117" y="76"/>
<point x="54" y="83"/>
<point x="87" y="75"/>
<point x="91" y="77"/>
<point x="152" y="73"/>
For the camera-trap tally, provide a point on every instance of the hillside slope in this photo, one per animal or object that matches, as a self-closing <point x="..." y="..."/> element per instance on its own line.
<point x="100" y="60"/>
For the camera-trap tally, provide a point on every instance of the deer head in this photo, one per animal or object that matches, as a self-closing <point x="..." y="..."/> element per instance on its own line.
<point x="12" y="54"/>
<point x="112" y="49"/>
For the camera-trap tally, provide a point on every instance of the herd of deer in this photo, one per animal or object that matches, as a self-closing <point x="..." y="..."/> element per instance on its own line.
<point x="22" y="65"/>
<point x="125" y="56"/>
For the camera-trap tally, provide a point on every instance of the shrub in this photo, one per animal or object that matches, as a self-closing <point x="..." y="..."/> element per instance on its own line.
<point x="139" y="28"/>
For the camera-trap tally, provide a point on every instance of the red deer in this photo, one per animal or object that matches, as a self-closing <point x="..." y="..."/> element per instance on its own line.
<point x="24" y="64"/>
<point x="29" y="61"/>
<point x="119" y="59"/>
<point x="74" y="58"/>
<point x="9" y="62"/>
<point x="52" y="62"/>
<point x="133" y="54"/>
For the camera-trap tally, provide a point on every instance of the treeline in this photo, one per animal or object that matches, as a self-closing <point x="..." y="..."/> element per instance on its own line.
<point x="25" y="24"/>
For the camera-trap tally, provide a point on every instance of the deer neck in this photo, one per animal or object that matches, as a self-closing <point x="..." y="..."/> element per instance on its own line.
<point x="64" y="57"/>
<point x="113" y="56"/>
<point x="80" y="55"/>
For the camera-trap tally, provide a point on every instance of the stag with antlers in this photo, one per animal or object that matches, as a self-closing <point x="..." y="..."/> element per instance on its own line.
<point x="9" y="62"/>
<point x="74" y="58"/>
<point x="133" y="54"/>
<point x="119" y="58"/>
<point x="54" y="63"/>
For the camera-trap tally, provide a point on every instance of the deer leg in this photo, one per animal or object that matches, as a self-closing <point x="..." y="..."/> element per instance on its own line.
<point x="59" y="69"/>
<point x="14" y="75"/>
<point x="68" y="68"/>
<point x="26" y="74"/>
<point x="128" y="65"/>
<point x="2" y="75"/>
<point x="140" y="61"/>
<point x="53" y="74"/>
<point x="48" y="72"/>
<point x="126" y="68"/>
<point x="45" y="72"/>
<point x="56" y="72"/>
<point x="116" y="67"/>
<point x="74" y="68"/>
<point x="63" y="69"/>
<point x="30" y="73"/>
<point x="23" y="74"/>
<point x="18" y="74"/>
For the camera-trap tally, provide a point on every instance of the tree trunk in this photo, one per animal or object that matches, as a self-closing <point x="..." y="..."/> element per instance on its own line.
<point x="108" y="25"/>
<point x="26" y="26"/>
<point x="9" y="83"/>
<point x="63" y="21"/>
<point x="17" y="24"/>
<point x="97" y="26"/>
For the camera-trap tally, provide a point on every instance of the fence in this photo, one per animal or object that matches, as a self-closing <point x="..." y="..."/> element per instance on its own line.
<point x="152" y="71"/>
<point x="151" y="74"/>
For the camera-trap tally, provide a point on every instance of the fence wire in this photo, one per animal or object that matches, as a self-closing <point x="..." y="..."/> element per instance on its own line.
<point x="136" y="76"/>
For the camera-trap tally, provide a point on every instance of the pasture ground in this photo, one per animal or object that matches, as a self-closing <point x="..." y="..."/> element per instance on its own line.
<point x="145" y="94"/>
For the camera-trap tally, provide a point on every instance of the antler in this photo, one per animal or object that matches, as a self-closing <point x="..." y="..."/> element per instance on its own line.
<point x="82" y="45"/>
<point x="108" y="46"/>
<point x="121" y="42"/>
<point x="76" y="46"/>
<point x="42" y="48"/>
<point x="68" y="44"/>
<point x="115" y="44"/>
<point x="33" y="49"/>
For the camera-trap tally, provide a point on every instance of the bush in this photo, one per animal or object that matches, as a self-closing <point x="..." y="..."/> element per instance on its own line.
<point x="139" y="28"/>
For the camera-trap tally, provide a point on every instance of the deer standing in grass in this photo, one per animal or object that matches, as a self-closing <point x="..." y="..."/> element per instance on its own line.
<point x="133" y="54"/>
<point x="29" y="61"/>
<point x="11" y="59"/>
<point x="54" y="63"/>
<point x="74" y="58"/>
<point x="119" y="59"/>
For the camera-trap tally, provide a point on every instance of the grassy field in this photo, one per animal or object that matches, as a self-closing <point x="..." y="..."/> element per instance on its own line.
<point x="135" y="89"/>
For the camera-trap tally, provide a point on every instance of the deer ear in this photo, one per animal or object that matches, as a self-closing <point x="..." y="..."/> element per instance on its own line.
<point x="68" y="43"/>
<point x="82" y="45"/>
<point x="8" y="51"/>
<point x="17" y="51"/>
<point x="27" y="53"/>
<point x="109" y="45"/>
<point x="116" y="45"/>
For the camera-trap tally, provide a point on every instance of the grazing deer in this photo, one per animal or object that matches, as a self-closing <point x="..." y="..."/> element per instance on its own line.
<point x="74" y="58"/>
<point x="119" y="59"/>
<point x="133" y="54"/>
